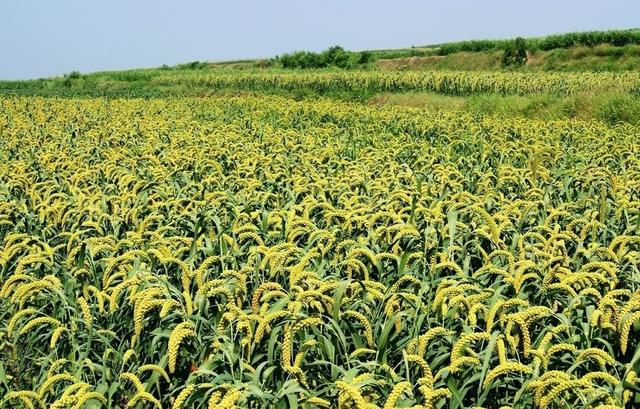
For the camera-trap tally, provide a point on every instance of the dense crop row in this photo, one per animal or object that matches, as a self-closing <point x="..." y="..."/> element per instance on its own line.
<point x="586" y="38"/>
<point x="446" y="82"/>
<point x="259" y="252"/>
<point x="353" y="85"/>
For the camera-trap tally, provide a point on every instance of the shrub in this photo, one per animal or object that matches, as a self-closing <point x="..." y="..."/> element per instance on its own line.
<point x="335" y="56"/>
<point x="516" y="53"/>
<point x="365" y="57"/>
<point x="70" y="78"/>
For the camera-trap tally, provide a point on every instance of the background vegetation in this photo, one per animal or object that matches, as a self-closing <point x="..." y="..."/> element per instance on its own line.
<point x="586" y="52"/>
<point x="335" y="56"/>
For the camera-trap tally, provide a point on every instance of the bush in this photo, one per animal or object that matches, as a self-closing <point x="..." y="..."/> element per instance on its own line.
<point x="70" y="78"/>
<point x="515" y="54"/>
<point x="335" y="56"/>
<point x="193" y="65"/>
<point x="74" y="75"/>
<point x="365" y="57"/>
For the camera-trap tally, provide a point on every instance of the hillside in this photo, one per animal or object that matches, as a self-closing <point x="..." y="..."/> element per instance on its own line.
<point x="604" y="57"/>
<point x="566" y="57"/>
<point x="612" y="50"/>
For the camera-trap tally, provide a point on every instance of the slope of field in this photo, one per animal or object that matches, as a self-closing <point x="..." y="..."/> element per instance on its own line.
<point x="600" y="58"/>
<point x="262" y="252"/>
<point x="613" y="50"/>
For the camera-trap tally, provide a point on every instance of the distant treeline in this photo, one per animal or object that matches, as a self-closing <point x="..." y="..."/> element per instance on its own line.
<point x="588" y="38"/>
<point x="335" y="56"/>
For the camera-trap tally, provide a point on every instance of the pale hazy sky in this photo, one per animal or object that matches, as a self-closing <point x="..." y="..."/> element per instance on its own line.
<point x="50" y="37"/>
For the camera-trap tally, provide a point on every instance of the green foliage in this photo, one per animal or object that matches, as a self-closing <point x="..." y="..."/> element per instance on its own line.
<point x="335" y="56"/>
<point x="193" y="65"/>
<point x="620" y="108"/>
<point x="472" y="46"/>
<point x="603" y="57"/>
<point x="609" y="107"/>
<point x="69" y="78"/>
<point x="73" y="75"/>
<point x="587" y="38"/>
<point x="515" y="53"/>
<point x="365" y="57"/>
<point x="590" y="39"/>
<point x="400" y="53"/>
